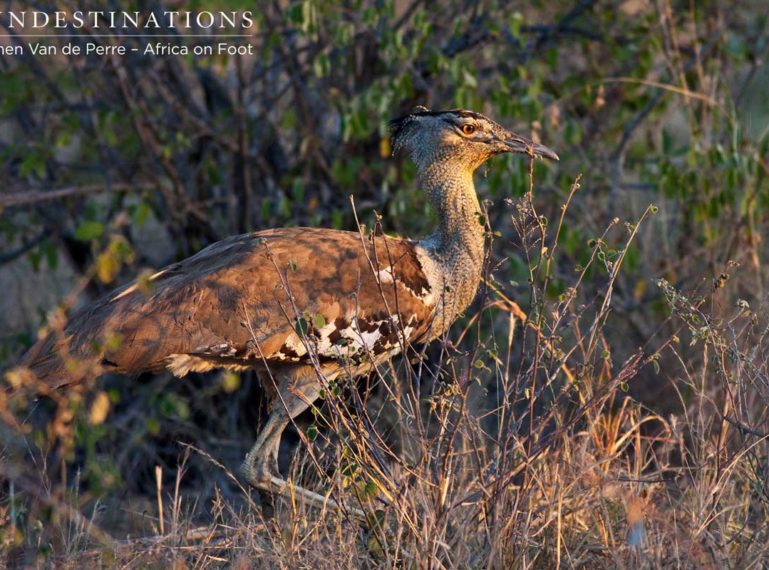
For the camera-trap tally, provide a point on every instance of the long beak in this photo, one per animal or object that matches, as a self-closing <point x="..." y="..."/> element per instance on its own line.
<point x="517" y="143"/>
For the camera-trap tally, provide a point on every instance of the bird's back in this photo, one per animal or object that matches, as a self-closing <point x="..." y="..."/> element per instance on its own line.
<point x="275" y="296"/>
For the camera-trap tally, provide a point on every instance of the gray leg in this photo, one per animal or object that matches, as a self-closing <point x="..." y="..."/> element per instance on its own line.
<point x="260" y="467"/>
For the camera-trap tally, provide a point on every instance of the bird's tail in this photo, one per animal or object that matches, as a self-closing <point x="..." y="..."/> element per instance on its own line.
<point x="41" y="371"/>
<point x="48" y="365"/>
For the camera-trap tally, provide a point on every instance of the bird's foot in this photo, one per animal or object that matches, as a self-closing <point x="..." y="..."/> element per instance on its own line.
<point x="259" y="473"/>
<point x="261" y="476"/>
<point x="288" y="489"/>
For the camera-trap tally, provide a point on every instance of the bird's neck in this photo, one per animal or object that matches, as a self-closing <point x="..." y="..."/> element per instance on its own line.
<point x="457" y="243"/>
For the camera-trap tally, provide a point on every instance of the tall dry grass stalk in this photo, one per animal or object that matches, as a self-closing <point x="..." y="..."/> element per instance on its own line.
<point x="513" y="444"/>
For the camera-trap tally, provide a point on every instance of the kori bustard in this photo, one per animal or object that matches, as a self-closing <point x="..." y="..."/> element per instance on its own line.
<point x="301" y="305"/>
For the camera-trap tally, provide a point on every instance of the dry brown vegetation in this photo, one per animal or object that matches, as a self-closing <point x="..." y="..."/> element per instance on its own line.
<point x="604" y="402"/>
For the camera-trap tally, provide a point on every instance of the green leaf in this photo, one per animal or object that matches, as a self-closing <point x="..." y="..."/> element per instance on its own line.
<point x="141" y="213"/>
<point x="302" y="327"/>
<point x="107" y="267"/>
<point x="230" y="381"/>
<point x="321" y="65"/>
<point x="370" y="490"/>
<point x="33" y="165"/>
<point x="89" y="230"/>
<point x="51" y="254"/>
<point x="153" y="426"/>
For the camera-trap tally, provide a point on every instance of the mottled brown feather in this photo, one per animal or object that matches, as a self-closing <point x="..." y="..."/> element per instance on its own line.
<point x="229" y="305"/>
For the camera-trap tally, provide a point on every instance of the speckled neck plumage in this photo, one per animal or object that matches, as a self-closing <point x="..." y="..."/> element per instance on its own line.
<point x="456" y="245"/>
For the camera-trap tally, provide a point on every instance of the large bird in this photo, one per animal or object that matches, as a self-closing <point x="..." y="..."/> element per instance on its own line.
<point x="301" y="305"/>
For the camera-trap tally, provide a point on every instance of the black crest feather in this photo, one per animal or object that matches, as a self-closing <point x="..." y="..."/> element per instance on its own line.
<point x="399" y="126"/>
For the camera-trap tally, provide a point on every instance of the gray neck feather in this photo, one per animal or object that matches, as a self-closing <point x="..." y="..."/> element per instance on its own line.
<point x="457" y="243"/>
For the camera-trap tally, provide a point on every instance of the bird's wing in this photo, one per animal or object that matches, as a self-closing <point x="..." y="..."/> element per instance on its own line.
<point x="274" y="296"/>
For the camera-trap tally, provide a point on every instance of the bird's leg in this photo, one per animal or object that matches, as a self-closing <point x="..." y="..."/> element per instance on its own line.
<point x="260" y="467"/>
<point x="261" y="461"/>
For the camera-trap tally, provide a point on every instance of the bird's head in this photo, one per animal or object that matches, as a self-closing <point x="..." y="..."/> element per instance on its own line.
<point x="458" y="135"/>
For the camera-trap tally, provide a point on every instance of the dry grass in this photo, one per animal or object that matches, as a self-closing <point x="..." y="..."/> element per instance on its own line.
<point x="515" y="446"/>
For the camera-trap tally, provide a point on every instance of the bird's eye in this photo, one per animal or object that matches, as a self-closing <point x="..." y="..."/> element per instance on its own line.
<point x="468" y="129"/>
